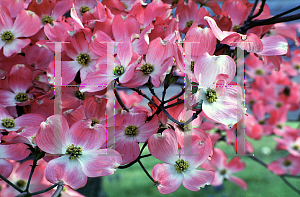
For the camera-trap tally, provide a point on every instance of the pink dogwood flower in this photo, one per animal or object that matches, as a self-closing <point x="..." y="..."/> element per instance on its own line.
<point x="224" y="170"/>
<point x="133" y="130"/>
<point x="179" y="168"/>
<point x="26" y="24"/>
<point x="79" y="147"/>
<point x="19" y="83"/>
<point x="286" y="164"/>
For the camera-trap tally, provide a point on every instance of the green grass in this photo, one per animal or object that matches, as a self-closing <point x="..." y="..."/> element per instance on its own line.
<point x="261" y="182"/>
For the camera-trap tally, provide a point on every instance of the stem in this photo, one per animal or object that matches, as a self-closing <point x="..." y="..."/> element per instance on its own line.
<point x="174" y="104"/>
<point x="36" y="152"/>
<point x="177" y="96"/>
<point x="58" y="190"/>
<point x="44" y="190"/>
<point x="252" y="11"/>
<point x="164" y="92"/>
<point x="290" y="185"/>
<point x="137" y="159"/>
<point x="169" y="116"/>
<point x="281" y="176"/>
<point x="148" y="155"/>
<point x="120" y="100"/>
<point x="263" y="2"/>
<point x="153" y="93"/>
<point x="143" y="167"/>
<point x="144" y="95"/>
<point x="270" y="21"/>
<point x="11" y="184"/>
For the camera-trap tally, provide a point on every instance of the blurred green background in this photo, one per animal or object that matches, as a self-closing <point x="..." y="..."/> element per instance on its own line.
<point x="261" y="182"/>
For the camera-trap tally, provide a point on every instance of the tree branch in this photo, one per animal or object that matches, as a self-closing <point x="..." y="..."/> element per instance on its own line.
<point x="281" y="176"/>
<point x="120" y="100"/>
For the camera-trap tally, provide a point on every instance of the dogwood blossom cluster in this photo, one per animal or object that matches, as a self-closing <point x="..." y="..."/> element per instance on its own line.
<point x="128" y="44"/>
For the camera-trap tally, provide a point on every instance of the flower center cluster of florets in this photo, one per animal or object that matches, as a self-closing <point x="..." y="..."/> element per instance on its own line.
<point x="74" y="151"/>
<point x="147" y="68"/>
<point x="47" y="19"/>
<point x="80" y="95"/>
<point x="189" y="23"/>
<point x="83" y="59"/>
<point x="8" y="123"/>
<point x="222" y="172"/>
<point x="259" y="72"/>
<point x="94" y="121"/>
<point x="7" y="36"/>
<point x="119" y="70"/>
<point x="21" y="183"/>
<point x="21" y="97"/>
<point x="287" y="163"/>
<point x="131" y="130"/>
<point x="84" y="9"/>
<point x="296" y="147"/>
<point x="192" y="65"/>
<point x="184" y="127"/>
<point x="181" y="165"/>
<point x="211" y="95"/>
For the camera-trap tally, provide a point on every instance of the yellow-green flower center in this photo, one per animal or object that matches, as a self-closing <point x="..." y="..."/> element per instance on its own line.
<point x="147" y="68"/>
<point x="236" y="27"/>
<point x="80" y="95"/>
<point x="181" y="165"/>
<point x="84" y="9"/>
<point x="211" y="95"/>
<point x="8" y="123"/>
<point x="119" y="70"/>
<point x="287" y="163"/>
<point x="131" y="130"/>
<point x="261" y="122"/>
<point x="222" y="172"/>
<point x="47" y="19"/>
<point x="184" y="127"/>
<point x="192" y="65"/>
<point x="297" y="67"/>
<point x="278" y="105"/>
<point x="189" y="23"/>
<point x="21" y="183"/>
<point x="7" y="36"/>
<point x="21" y="97"/>
<point x="279" y="126"/>
<point x="259" y="72"/>
<point x="94" y="121"/>
<point x="296" y="147"/>
<point x="74" y="151"/>
<point x="83" y="59"/>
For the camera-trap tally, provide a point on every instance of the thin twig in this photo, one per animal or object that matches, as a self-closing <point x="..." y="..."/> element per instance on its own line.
<point x="120" y="100"/>
<point x="44" y="190"/>
<point x="252" y="11"/>
<point x="58" y="190"/>
<point x="174" y="104"/>
<point x="175" y="97"/>
<point x="34" y="165"/>
<point x="153" y="93"/>
<point x="144" y="95"/>
<point x="147" y="173"/>
<point x="281" y="176"/>
<point x="290" y="185"/>
<point x="261" y="9"/>
<point x="10" y="183"/>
